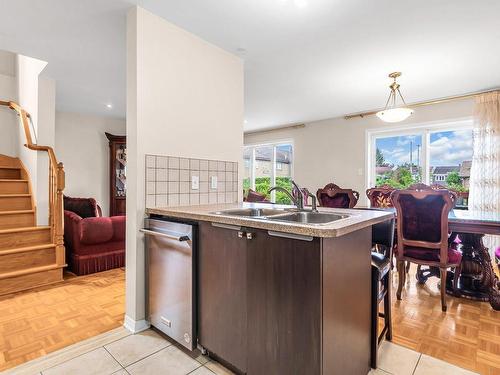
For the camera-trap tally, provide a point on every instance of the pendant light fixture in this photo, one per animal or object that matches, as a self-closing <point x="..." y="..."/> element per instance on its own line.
<point x="393" y="112"/>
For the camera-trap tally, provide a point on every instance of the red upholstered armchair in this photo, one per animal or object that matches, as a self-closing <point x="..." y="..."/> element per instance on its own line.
<point x="93" y="243"/>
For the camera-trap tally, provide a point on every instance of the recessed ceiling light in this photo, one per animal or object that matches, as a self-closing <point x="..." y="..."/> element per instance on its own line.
<point x="245" y="121"/>
<point x="109" y="106"/>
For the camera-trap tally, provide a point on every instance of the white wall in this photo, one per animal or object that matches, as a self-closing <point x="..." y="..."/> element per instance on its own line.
<point x="8" y="119"/>
<point x="184" y="98"/>
<point x="84" y="149"/>
<point x="45" y="136"/>
<point x="334" y="150"/>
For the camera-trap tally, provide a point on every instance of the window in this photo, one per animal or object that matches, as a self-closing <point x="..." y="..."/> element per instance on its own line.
<point x="439" y="154"/>
<point x="268" y="165"/>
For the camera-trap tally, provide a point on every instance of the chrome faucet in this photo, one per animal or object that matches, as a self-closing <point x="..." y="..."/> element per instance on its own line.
<point x="299" y="200"/>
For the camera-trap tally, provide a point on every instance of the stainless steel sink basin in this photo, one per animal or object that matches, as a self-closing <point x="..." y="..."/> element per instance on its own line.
<point x="285" y="215"/>
<point x="252" y="212"/>
<point x="315" y="218"/>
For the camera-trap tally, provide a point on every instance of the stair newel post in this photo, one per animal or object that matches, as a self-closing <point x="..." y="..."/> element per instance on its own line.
<point x="59" y="215"/>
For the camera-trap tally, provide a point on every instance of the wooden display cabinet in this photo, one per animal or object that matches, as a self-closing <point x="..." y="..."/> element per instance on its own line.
<point x="117" y="174"/>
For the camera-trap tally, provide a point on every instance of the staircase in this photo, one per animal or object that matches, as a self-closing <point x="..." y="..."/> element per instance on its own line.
<point x="30" y="255"/>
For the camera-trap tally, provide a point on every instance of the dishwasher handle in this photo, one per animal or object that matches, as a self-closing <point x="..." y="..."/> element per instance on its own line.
<point x="160" y="234"/>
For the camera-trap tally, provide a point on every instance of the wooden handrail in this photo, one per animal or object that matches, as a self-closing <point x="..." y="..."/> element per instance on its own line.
<point x="56" y="183"/>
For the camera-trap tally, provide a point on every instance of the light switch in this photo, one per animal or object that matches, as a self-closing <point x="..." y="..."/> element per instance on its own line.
<point x="195" y="182"/>
<point x="213" y="182"/>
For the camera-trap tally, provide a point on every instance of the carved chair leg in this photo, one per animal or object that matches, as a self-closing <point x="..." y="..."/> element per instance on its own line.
<point x="443" y="272"/>
<point x="402" y="276"/>
<point x="456" y="276"/>
<point x="408" y="264"/>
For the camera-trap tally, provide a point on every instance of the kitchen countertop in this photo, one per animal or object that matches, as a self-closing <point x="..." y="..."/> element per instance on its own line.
<point x="357" y="219"/>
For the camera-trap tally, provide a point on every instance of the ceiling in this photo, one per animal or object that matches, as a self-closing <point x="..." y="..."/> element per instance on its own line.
<point x="304" y="59"/>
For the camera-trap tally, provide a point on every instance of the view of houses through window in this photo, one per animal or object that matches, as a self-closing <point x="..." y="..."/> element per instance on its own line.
<point x="266" y="166"/>
<point x="434" y="156"/>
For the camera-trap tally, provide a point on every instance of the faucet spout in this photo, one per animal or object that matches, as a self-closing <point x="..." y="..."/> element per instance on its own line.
<point x="297" y="201"/>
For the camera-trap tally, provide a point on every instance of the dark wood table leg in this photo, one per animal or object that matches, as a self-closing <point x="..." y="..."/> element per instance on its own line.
<point x="478" y="280"/>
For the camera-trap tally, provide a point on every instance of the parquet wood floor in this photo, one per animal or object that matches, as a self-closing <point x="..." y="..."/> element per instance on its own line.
<point x="468" y="335"/>
<point x="37" y="322"/>
<point x="40" y="321"/>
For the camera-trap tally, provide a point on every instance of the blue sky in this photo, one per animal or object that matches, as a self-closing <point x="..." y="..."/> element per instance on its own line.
<point x="446" y="148"/>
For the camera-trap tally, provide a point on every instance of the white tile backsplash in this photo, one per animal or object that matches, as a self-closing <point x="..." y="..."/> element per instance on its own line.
<point x="168" y="181"/>
<point x="162" y="162"/>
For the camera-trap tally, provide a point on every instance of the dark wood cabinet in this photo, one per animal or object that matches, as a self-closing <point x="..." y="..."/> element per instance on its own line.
<point x="284" y="305"/>
<point x="222" y="303"/>
<point x="271" y="303"/>
<point x="117" y="174"/>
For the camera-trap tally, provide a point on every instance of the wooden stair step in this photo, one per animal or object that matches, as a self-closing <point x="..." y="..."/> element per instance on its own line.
<point x="27" y="249"/>
<point x="17" y="219"/>
<point x="14" y="202"/>
<point x="8" y="186"/>
<point x="22" y="262"/>
<point x="11" y="173"/>
<point x="23" y="237"/>
<point x="28" y="279"/>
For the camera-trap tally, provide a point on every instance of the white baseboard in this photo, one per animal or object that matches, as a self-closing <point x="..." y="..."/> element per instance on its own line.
<point x="135" y="326"/>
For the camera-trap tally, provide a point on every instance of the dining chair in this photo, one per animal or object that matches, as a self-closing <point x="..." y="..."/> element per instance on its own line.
<point x="335" y="197"/>
<point x="422" y="227"/>
<point x="380" y="197"/>
<point x="382" y="246"/>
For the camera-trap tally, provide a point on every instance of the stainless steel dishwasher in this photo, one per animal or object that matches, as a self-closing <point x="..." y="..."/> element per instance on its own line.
<point x="170" y="283"/>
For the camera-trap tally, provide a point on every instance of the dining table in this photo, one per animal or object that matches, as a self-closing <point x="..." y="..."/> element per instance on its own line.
<point x="477" y="280"/>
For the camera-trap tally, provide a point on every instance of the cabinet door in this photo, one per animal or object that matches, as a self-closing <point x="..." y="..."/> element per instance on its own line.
<point x="222" y="294"/>
<point x="284" y="305"/>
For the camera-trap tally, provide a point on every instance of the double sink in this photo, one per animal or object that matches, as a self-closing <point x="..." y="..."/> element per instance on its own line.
<point x="284" y="215"/>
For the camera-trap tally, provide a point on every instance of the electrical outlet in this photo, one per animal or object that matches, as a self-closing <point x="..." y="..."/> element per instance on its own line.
<point x="213" y="182"/>
<point x="195" y="182"/>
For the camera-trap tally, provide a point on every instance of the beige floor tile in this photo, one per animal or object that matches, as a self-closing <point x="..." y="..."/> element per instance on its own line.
<point x="120" y="372"/>
<point x="218" y="368"/>
<point x="136" y="347"/>
<point x="432" y="366"/>
<point x="96" y="362"/>
<point x="378" y="372"/>
<point x="203" y="359"/>
<point x="168" y="361"/>
<point x="201" y="371"/>
<point x="397" y="360"/>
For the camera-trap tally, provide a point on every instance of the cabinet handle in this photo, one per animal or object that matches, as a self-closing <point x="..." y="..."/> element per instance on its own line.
<point x="249" y="236"/>
<point x="226" y="226"/>
<point x="290" y="235"/>
<point x="240" y="234"/>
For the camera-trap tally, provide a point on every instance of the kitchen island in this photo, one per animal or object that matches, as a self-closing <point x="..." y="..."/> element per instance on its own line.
<point x="281" y="297"/>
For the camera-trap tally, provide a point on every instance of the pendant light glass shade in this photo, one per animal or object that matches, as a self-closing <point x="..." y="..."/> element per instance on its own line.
<point x="393" y="112"/>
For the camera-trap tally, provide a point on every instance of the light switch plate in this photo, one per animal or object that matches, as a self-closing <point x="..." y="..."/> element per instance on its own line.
<point x="213" y="182"/>
<point x="195" y="182"/>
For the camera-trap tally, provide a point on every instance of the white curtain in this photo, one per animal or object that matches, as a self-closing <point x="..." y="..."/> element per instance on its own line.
<point x="484" y="192"/>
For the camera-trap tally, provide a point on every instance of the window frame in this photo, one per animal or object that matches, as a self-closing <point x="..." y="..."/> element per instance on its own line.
<point x="423" y="129"/>
<point x="272" y="144"/>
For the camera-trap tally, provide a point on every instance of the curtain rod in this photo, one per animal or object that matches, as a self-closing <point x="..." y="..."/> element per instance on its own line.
<point x="427" y="102"/>
<point x="276" y="128"/>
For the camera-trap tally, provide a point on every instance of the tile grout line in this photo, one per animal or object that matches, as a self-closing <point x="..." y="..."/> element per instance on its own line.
<point x="415" y="369"/>
<point x="112" y="356"/>
<point x="149" y="355"/>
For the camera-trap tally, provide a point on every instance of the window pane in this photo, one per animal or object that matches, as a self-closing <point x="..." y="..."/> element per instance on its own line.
<point x="247" y="168"/>
<point x="450" y="160"/>
<point x="398" y="161"/>
<point x="284" y="158"/>
<point x="263" y="168"/>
